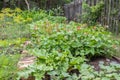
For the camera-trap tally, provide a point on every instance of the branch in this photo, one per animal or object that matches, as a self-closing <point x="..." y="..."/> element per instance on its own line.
<point x="28" y="6"/>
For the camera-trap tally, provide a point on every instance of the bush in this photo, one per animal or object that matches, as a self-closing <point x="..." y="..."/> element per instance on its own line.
<point x="91" y="14"/>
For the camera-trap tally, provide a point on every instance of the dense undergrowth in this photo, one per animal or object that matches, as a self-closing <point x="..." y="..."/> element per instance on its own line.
<point x="62" y="49"/>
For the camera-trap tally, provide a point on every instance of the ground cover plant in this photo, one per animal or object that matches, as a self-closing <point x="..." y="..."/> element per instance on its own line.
<point x="8" y="66"/>
<point x="62" y="50"/>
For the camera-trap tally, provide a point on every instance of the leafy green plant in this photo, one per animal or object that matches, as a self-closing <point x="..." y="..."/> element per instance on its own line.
<point x="79" y="40"/>
<point x="109" y="72"/>
<point x="34" y="15"/>
<point x="64" y="49"/>
<point x="91" y="13"/>
<point x="56" y="11"/>
<point x="56" y="64"/>
<point x="8" y="67"/>
<point x="11" y="46"/>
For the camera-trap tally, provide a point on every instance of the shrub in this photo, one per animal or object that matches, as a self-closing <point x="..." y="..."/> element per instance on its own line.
<point x="91" y="14"/>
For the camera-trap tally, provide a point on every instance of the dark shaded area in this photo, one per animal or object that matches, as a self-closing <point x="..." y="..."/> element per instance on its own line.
<point x="95" y="61"/>
<point x="42" y="4"/>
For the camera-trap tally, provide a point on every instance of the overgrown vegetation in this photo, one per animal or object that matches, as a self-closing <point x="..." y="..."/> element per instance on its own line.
<point x="78" y="39"/>
<point x="62" y="49"/>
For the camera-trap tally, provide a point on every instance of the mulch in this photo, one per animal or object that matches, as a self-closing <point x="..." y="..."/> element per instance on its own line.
<point x="95" y="61"/>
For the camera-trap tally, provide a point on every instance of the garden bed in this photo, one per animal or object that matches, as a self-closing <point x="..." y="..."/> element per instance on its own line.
<point x="26" y="61"/>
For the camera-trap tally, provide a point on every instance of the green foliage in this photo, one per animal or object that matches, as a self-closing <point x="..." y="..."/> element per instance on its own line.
<point x="56" y="64"/>
<point x="12" y="46"/>
<point x="14" y="27"/>
<point x="17" y="17"/>
<point x="13" y="24"/>
<point x="14" y="32"/>
<point x="34" y="15"/>
<point x="13" y="16"/>
<point x="61" y="48"/>
<point x="109" y="72"/>
<point x="91" y="13"/>
<point x="93" y="41"/>
<point x="8" y="67"/>
<point x="57" y="11"/>
<point x="5" y="43"/>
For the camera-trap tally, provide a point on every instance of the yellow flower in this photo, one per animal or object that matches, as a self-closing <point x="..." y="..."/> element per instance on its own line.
<point x="18" y="10"/>
<point x="18" y="19"/>
<point x="6" y="10"/>
<point x="29" y="19"/>
<point x="1" y="15"/>
<point x="9" y="15"/>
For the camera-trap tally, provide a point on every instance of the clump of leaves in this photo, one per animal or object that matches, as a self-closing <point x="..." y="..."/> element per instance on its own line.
<point x="107" y="72"/>
<point x="8" y="66"/>
<point x="91" y="13"/>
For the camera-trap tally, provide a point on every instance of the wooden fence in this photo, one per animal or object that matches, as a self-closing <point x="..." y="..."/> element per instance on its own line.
<point x="110" y="15"/>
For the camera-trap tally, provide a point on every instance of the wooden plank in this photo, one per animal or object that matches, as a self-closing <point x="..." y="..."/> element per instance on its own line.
<point x="108" y="14"/>
<point x="117" y="26"/>
<point x="119" y="16"/>
<point x="105" y="12"/>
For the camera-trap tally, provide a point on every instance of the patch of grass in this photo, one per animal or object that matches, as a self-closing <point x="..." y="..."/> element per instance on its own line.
<point x="11" y="46"/>
<point x="5" y="43"/>
<point x="15" y="31"/>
